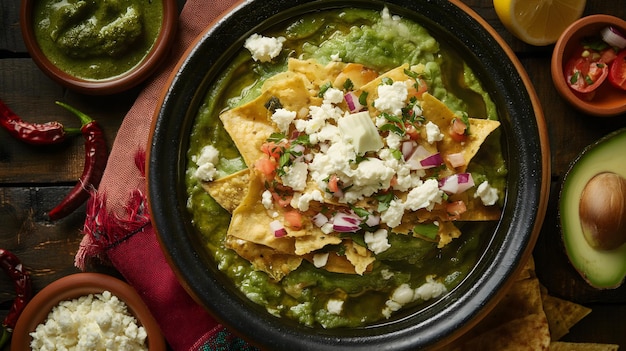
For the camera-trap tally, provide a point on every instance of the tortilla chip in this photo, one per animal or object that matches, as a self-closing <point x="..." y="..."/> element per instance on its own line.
<point x="522" y="299"/>
<point x="315" y="240"/>
<point x="572" y="346"/>
<point x="250" y="125"/>
<point x="229" y="191"/>
<point x="562" y="315"/>
<point x="359" y="256"/>
<point x="438" y="113"/>
<point x="529" y="333"/>
<point x="250" y="220"/>
<point x="317" y="74"/>
<point x="263" y="258"/>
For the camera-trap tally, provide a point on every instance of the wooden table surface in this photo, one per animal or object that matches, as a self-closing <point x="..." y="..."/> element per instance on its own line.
<point x="33" y="179"/>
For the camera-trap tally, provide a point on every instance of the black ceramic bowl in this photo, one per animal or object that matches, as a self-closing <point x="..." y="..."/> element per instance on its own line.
<point x="526" y="153"/>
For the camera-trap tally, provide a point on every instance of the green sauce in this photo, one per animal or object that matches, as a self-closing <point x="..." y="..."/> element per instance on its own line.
<point x="92" y="39"/>
<point x="356" y="36"/>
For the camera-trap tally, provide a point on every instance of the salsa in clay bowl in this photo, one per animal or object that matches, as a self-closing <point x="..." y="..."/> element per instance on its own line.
<point x="356" y="174"/>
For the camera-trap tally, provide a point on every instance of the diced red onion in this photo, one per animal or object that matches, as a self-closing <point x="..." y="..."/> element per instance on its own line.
<point x="456" y="159"/>
<point x="353" y="102"/>
<point x="407" y="149"/>
<point x="319" y="220"/>
<point x="278" y="229"/>
<point x="346" y="223"/>
<point x="456" y="183"/>
<point x="613" y="37"/>
<point x="431" y="161"/>
<point x="419" y="153"/>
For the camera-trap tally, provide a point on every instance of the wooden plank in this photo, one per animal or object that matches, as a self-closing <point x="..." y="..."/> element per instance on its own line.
<point x="31" y="95"/>
<point x="10" y="34"/>
<point x="46" y="250"/>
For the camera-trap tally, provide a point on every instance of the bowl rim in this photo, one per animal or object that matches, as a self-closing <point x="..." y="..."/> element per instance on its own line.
<point x="81" y="284"/>
<point x="163" y="216"/>
<point x="125" y="81"/>
<point x="557" y="62"/>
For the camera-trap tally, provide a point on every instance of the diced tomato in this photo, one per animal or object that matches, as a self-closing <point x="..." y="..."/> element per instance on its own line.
<point x="455" y="209"/>
<point x="267" y="166"/>
<point x="333" y="184"/>
<point x="271" y="149"/>
<point x="293" y="219"/>
<point x="418" y="89"/>
<point x="394" y="180"/>
<point x="457" y="130"/>
<point x="584" y="75"/>
<point x="281" y="200"/>
<point x="411" y="131"/>
<point x="617" y="74"/>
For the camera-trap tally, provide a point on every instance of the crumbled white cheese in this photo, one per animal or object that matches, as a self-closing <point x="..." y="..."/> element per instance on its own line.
<point x="433" y="134"/>
<point x="424" y="196"/>
<point x="262" y="48"/>
<point x="430" y="290"/>
<point x="296" y="175"/>
<point x="283" y="118"/>
<point x="207" y="161"/>
<point x="334" y="306"/>
<point x="404" y="294"/>
<point x="488" y="195"/>
<point x="377" y="241"/>
<point x="386" y="274"/>
<point x="301" y="201"/>
<point x="318" y="115"/>
<point x="95" y="322"/>
<point x="393" y="141"/>
<point x="392" y="98"/>
<point x="333" y="96"/>
<point x="359" y="129"/>
<point x="266" y="200"/>
<point x="320" y="259"/>
<point x="392" y="216"/>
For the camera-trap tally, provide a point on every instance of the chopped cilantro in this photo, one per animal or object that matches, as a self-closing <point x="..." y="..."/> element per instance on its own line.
<point x="387" y="81"/>
<point x="363" y="98"/>
<point x="348" y="85"/>
<point x="384" y="200"/>
<point x="323" y="89"/>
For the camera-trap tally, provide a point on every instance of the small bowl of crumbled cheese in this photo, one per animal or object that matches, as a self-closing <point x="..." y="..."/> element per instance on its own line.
<point x="87" y="311"/>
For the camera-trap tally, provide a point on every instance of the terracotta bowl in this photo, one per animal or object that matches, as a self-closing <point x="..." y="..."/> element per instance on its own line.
<point x="75" y="286"/>
<point x="105" y="86"/>
<point x="608" y="101"/>
<point x="527" y="155"/>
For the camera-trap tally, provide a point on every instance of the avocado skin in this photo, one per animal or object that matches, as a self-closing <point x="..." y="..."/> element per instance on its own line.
<point x="602" y="269"/>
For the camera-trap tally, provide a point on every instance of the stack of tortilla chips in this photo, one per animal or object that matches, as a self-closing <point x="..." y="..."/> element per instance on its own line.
<point x="528" y="318"/>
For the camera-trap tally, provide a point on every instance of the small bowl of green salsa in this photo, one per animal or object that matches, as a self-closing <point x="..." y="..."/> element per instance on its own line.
<point x="95" y="47"/>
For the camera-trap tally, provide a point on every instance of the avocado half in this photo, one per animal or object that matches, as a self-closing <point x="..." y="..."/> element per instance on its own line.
<point x="602" y="269"/>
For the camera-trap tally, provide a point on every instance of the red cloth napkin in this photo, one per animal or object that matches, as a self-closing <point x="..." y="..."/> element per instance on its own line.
<point x="118" y="229"/>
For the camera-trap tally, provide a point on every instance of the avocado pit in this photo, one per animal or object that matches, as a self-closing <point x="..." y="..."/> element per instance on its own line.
<point x="602" y="211"/>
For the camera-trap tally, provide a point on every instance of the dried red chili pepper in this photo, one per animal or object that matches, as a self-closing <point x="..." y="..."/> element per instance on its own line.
<point x="13" y="267"/>
<point x="96" y="155"/>
<point x="33" y="133"/>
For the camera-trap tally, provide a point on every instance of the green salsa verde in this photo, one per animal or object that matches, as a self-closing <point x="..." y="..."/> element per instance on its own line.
<point x="359" y="36"/>
<point x="96" y="40"/>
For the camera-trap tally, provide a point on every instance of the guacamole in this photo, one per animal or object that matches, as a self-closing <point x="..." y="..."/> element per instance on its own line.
<point x="412" y="263"/>
<point x="96" y="39"/>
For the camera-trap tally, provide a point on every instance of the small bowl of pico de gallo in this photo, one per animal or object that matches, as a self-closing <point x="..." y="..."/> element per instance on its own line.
<point x="589" y="65"/>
